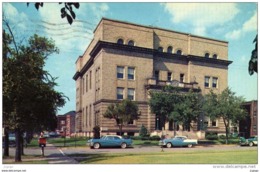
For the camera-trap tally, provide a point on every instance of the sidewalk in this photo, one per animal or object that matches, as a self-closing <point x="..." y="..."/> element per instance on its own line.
<point x="53" y="155"/>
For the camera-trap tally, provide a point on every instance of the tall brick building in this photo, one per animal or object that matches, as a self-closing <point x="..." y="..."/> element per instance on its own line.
<point x="126" y="60"/>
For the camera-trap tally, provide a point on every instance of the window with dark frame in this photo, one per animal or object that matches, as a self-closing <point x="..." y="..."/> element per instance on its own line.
<point x="179" y="52"/>
<point x="131" y="43"/>
<point x="160" y="49"/>
<point x="169" y="49"/>
<point x="215" y="56"/>
<point x="169" y="76"/>
<point x="181" y="77"/>
<point x="120" y="72"/>
<point x="214" y="82"/>
<point x="131" y="73"/>
<point x="131" y="93"/>
<point x="214" y="123"/>
<point x="120" y="41"/>
<point x="206" y="55"/>
<point x="156" y="75"/>
<point x="206" y="82"/>
<point x="120" y="93"/>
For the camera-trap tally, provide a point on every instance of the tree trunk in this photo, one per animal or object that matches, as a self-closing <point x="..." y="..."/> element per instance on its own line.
<point x="174" y="128"/>
<point x="120" y="129"/>
<point x="227" y="129"/>
<point x="6" y="144"/>
<point x="18" y="157"/>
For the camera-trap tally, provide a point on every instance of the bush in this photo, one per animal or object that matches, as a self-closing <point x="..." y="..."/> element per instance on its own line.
<point x="143" y="131"/>
<point x="212" y="136"/>
<point x="135" y="137"/>
<point x="155" y="138"/>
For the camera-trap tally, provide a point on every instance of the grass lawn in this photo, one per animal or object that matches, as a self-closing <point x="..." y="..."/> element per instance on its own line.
<point x="190" y="157"/>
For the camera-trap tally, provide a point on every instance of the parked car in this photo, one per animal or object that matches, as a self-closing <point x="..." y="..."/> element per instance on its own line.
<point x="178" y="141"/>
<point x="109" y="141"/>
<point x="251" y="141"/>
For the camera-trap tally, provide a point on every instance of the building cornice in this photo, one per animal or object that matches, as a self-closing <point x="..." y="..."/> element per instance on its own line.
<point x="155" y="53"/>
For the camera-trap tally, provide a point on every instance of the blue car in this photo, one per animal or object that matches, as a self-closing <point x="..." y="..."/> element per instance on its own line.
<point x="109" y="141"/>
<point x="178" y="141"/>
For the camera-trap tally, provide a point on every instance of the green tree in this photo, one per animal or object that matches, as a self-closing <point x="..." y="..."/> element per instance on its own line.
<point x="122" y="112"/>
<point x="225" y="106"/>
<point x="162" y="103"/>
<point x="188" y="109"/>
<point x="143" y="131"/>
<point x="252" y="66"/>
<point x="29" y="99"/>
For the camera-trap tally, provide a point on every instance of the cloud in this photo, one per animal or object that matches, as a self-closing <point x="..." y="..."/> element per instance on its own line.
<point x="202" y="15"/>
<point x="248" y="26"/>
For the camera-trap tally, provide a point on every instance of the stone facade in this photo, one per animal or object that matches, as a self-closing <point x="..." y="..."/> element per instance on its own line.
<point x="152" y="57"/>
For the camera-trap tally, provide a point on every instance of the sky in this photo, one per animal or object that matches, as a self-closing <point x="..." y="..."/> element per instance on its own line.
<point x="235" y="22"/>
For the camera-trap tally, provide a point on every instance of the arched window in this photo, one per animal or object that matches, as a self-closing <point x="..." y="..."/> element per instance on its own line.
<point x="179" y="52"/>
<point x="131" y="43"/>
<point x="160" y="49"/>
<point x="120" y="41"/>
<point x="215" y="56"/>
<point x="207" y="55"/>
<point x="169" y="49"/>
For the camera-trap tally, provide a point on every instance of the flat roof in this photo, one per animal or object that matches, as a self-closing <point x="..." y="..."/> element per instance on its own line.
<point x="151" y="27"/>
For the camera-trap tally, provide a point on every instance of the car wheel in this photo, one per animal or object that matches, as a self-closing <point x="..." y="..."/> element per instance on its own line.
<point x="189" y="145"/>
<point x="96" y="145"/>
<point x="123" y="145"/>
<point x="251" y="144"/>
<point x="169" y="145"/>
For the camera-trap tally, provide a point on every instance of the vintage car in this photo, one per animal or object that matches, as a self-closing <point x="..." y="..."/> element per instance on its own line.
<point x="251" y="141"/>
<point x="178" y="141"/>
<point x="109" y="141"/>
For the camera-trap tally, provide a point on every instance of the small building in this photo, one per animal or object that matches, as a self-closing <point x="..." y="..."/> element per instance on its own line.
<point x="248" y="126"/>
<point x="66" y="123"/>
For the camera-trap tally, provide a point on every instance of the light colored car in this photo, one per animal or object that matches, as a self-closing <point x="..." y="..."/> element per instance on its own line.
<point x="109" y="141"/>
<point x="178" y="141"/>
<point x="251" y="141"/>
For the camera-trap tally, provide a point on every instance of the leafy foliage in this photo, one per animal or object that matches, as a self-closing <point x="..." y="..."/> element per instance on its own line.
<point x="29" y="99"/>
<point x="226" y="106"/>
<point x="123" y="112"/>
<point x="66" y="11"/>
<point x="252" y="66"/>
<point x="143" y="131"/>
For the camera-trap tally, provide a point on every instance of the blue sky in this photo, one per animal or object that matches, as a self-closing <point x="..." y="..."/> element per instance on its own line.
<point x="232" y="22"/>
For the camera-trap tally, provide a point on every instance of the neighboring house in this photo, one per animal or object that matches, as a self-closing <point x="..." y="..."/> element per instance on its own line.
<point x="127" y="60"/>
<point x="248" y="126"/>
<point x="66" y="123"/>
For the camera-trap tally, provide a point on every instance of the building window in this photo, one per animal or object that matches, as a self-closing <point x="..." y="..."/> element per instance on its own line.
<point x="206" y="55"/>
<point x="62" y="122"/>
<point x="160" y="49"/>
<point x="131" y="94"/>
<point x="120" y="41"/>
<point x="120" y="72"/>
<point x="215" y="56"/>
<point x="120" y="93"/>
<point x="131" y="73"/>
<point x="86" y="83"/>
<point x="131" y="122"/>
<point x="179" y="52"/>
<point x="214" y="123"/>
<point x="206" y="83"/>
<point x="215" y="82"/>
<point x="169" y="49"/>
<point x="90" y="76"/>
<point x="181" y="78"/>
<point x="254" y="128"/>
<point x="169" y="76"/>
<point x="131" y="43"/>
<point x="156" y="75"/>
<point x="83" y="85"/>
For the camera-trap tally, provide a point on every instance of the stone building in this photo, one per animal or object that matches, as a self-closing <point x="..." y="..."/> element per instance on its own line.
<point x="248" y="126"/>
<point x="126" y="60"/>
